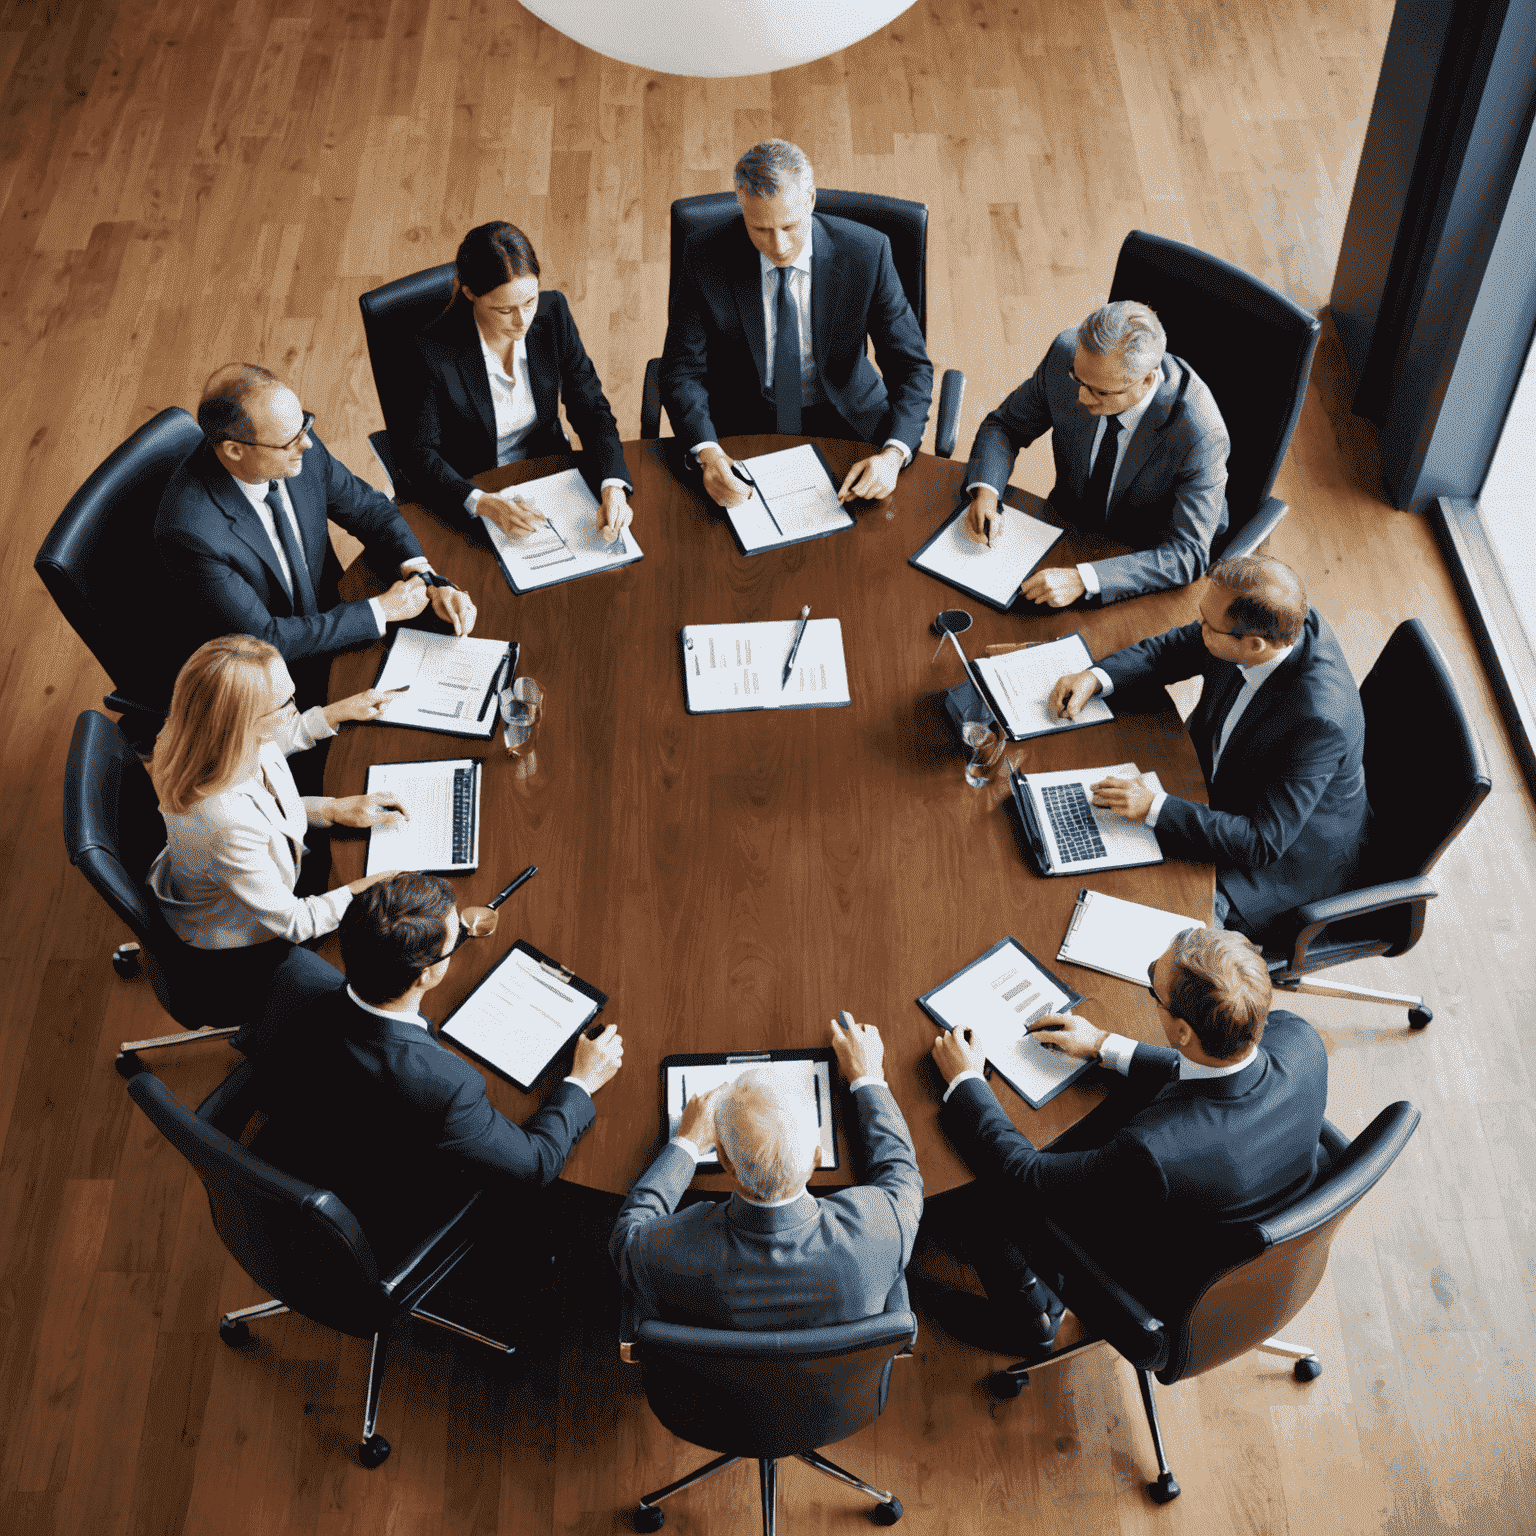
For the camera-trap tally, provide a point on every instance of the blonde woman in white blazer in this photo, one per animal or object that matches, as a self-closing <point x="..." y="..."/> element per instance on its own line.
<point x="235" y="822"/>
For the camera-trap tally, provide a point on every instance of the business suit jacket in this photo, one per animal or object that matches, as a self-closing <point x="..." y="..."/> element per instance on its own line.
<point x="1169" y="498"/>
<point x="1147" y="1194"/>
<point x="395" y="1124"/>
<point x="1288" y="809"/>
<point x="223" y="570"/>
<point x="804" y="1265"/>
<point x="714" y="362"/>
<point x="454" y="435"/>
<point x="226" y="876"/>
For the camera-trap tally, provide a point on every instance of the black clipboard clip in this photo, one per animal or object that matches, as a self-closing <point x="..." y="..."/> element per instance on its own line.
<point x="556" y="969"/>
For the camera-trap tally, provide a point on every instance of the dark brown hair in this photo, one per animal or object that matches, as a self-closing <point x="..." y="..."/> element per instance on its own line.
<point x="493" y="254"/>
<point x="392" y="933"/>
<point x="1268" y="598"/>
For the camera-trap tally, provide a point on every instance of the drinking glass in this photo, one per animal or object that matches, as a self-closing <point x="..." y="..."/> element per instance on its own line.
<point x="521" y="707"/>
<point x="985" y="745"/>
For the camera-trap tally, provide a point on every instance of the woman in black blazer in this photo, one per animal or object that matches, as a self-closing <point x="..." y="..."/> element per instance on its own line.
<point x="495" y="364"/>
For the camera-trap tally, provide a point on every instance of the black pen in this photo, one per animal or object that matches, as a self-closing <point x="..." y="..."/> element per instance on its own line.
<point x="794" y="649"/>
<point x="816" y="1083"/>
<point x="502" y="895"/>
<point x="490" y="692"/>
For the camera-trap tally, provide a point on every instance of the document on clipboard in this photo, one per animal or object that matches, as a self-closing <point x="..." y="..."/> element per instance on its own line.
<point x="566" y="544"/>
<point x="448" y="682"/>
<point x="522" y="1015"/>
<point x="741" y="666"/>
<point x="1019" y="684"/>
<point x="995" y="573"/>
<point x="810" y="1068"/>
<point x="794" y="498"/>
<point x="997" y="997"/>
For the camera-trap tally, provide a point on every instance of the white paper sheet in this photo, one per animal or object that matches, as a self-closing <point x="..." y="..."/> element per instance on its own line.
<point x="995" y="573"/>
<point x="794" y="499"/>
<point x="683" y="1083"/>
<point x="567" y="544"/>
<point x="449" y="677"/>
<point x="1120" y="938"/>
<point x="426" y="790"/>
<point x="741" y="666"/>
<point x="1021" y="683"/>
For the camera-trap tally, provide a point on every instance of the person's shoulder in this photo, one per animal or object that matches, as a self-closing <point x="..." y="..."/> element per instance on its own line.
<point x="719" y="243"/>
<point x="1288" y="1035"/>
<point x="188" y="487"/>
<point x="1201" y="415"/>
<point x="850" y="234"/>
<point x="447" y="332"/>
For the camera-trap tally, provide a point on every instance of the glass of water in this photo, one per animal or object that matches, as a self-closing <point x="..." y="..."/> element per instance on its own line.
<point x="522" y="705"/>
<point x="984" y="750"/>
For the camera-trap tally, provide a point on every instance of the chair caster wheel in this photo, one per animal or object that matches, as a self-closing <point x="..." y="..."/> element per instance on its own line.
<point x="887" y="1514"/>
<point x="373" y="1450"/>
<point x="234" y="1332"/>
<point x="1164" y="1490"/>
<point x="1419" y="1017"/>
<point x="1308" y="1369"/>
<point x="1006" y="1384"/>
<point x="125" y="960"/>
<point x="649" y="1517"/>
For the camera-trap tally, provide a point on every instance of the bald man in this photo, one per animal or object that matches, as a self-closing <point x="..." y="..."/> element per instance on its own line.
<point x="242" y="534"/>
<point x="773" y="1255"/>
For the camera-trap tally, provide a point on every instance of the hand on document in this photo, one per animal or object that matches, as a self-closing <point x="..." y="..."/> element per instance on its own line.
<point x="515" y="515"/>
<point x="722" y="487"/>
<point x="1071" y="693"/>
<point x="698" y="1122"/>
<point x="376" y="810"/>
<point x="614" y="515"/>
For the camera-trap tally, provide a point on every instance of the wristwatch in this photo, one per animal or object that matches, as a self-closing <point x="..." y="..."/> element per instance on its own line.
<point x="432" y="579"/>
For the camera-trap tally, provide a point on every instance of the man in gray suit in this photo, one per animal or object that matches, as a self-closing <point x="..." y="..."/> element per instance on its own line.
<point x="773" y="1255"/>
<point x="1140" y="450"/>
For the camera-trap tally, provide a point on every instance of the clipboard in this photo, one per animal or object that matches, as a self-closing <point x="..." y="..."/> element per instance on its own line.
<point x="984" y="669"/>
<point x="1036" y="1074"/>
<point x="950" y="580"/>
<point x="488" y="714"/>
<point x="707" y="1065"/>
<point x="477" y="1033"/>
<point x="782" y="542"/>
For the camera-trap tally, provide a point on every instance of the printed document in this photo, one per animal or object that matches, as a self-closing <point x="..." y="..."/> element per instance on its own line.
<point x="452" y="681"/>
<point x="567" y="544"/>
<point x="741" y="666"/>
<point x="994" y="574"/>
<point x="794" y="499"/>
<point x="1020" y="683"/>
<point x="686" y="1082"/>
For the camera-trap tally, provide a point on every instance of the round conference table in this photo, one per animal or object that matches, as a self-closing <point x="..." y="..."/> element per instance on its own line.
<point x="732" y="880"/>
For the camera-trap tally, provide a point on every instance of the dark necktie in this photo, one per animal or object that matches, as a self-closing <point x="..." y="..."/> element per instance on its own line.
<point x="303" y="593"/>
<point x="786" y="358"/>
<point x="1096" y="496"/>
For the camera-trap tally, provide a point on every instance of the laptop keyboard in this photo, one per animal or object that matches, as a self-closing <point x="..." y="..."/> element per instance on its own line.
<point x="463" y="814"/>
<point x="1072" y="821"/>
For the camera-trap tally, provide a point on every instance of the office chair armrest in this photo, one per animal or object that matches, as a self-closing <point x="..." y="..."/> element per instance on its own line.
<point x="951" y="393"/>
<point x="1317" y="915"/>
<point x="1253" y="533"/>
<point x="121" y="704"/>
<point x="1096" y="1298"/>
<point x="1335" y="1143"/>
<point x="230" y="1106"/>
<point x="650" y="400"/>
<point x="449" y="1233"/>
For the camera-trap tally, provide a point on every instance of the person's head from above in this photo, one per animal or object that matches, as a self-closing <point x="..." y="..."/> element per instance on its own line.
<point x="766" y="1136"/>
<point x="777" y="194"/>
<point x="255" y="422"/>
<point x="1251" y="609"/>
<point x="397" y="938"/>
<point x="1119" y="353"/>
<point x="232" y="696"/>
<point x="498" y="273"/>
<point x="1213" y="992"/>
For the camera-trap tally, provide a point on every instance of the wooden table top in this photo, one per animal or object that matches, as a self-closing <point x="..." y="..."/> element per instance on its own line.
<point x="731" y="881"/>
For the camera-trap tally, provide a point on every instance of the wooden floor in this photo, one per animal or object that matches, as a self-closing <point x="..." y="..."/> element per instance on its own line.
<point x="189" y="181"/>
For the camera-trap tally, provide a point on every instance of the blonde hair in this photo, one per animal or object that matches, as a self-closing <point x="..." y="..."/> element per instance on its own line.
<point x="205" y="741"/>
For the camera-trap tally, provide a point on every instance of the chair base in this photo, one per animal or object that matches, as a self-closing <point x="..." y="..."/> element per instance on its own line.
<point x="1418" y="1014"/>
<point x="170" y="1042"/>
<point x="1307" y="1368"/>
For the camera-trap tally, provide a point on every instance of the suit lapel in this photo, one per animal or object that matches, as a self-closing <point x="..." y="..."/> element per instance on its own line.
<point x="1082" y="428"/>
<point x="543" y="368"/>
<point x="1144" y="439"/>
<point x="243" y="521"/>
<point x="747" y="286"/>
<point x="1221" y="689"/>
<point x="470" y="357"/>
<point x="1258" y="707"/>
<point x="826" y="292"/>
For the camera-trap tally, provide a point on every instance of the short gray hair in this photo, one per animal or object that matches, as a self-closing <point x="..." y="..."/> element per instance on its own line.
<point x="769" y="1134"/>
<point x="1131" y="329"/>
<point x="772" y="167"/>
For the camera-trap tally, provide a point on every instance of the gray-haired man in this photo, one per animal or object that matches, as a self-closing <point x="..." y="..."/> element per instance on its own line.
<point x="773" y="1255"/>
<point x="1140" y="450"/>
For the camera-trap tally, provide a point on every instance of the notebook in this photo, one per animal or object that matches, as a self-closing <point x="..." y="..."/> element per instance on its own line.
<point x="1120" y="938"/>
<point x="794" y="498"/>
<point x="994" y="575"/>
<point x="443" y="834"/>
<point x="449" y="681"/>
<point x="1018" y="685"/>
<point x="1066" y="834"/>
<point x="567" y="544"/>
<point x="741" y="666"/>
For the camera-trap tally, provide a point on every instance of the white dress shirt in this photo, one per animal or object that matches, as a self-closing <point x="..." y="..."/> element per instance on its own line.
<point x="1116" y="1053"/>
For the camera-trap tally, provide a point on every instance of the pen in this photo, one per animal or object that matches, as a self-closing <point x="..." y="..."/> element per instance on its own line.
<point x="490" y="692"/>
<point x="403" y="688"/>
<point x="845" y="1018"/>
<point x="502" y="895"/>
<point x="816" y="1083"/>
<point x="794" y="649"/>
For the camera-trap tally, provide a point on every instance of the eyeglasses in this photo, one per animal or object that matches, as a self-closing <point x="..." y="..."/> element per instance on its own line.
<point x="1097" y="393"/>
<point x="1231" y="634"/>
<point x="458" y="943"/>
<point x="1152" y="986"/>
<point x="291" y="702"/>
<point x="309" y="421"/>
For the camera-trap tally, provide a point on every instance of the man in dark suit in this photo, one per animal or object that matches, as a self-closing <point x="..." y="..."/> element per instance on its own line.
<point x="242" y="533"/>
<point x="767" y="329"/>
<point x="363" y="1100"/>
<point x="774" y="1256"/>
<point x="1140" y="450"/>
<point x="1221" y="1126"/>
<point x="1280" y="735"/>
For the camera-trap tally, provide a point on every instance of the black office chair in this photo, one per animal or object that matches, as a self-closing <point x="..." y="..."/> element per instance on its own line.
<point x="392" y="317"/>
<point x="1426" y="774"/>
<point x="770" y="1395"/>
<point x="1250" y="344"/>
<point x="298" y="1242"/>
<point x="112" y="831"/>
<point x="1265" y="1273"/>
<point x="99" y="561"/>
<point x="903" y="223"/>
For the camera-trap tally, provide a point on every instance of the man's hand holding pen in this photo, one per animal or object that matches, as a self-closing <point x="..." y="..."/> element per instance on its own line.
<point x="1069" y="1035"/>
<point x="957" y="1051"/>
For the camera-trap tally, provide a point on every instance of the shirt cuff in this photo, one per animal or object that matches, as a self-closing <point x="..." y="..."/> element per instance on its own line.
<point x="865" y="1082"/>
<point x="1106" y="682"/>
<point x="1157" y="804"/>
<point x="906" y="453"/>
<point x="420" y="563"/>
<point x="694" y="452"/>
<point x="623" y="485"/>
<point x="473" y="500"/>
<point x="579" y="1084"/>
<point x="961" y="1077"/>
<point x="314" y="727"/>
<point x="1090" y="578"/>
<point x="688" y="1147"/>
<point x="982" y="485"/>
<point x="378" y="612"/>
<point x="1116" y="1052"/>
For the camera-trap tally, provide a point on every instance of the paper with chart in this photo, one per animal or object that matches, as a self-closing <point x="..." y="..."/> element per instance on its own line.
<point x="997" y="998"/>
<point x="443" y="802"/>
<point x="793" y="499"/>
<point x="741" y="666"/>
<point x="567" y="544"/>
<point x="451" y="678"/>
<point x="1120" y="938"/>
<point x="814" y="1076"/>
<point x="520" y="1017"/>
<point x="994" y="574"/>
<point x="1020" y="683"/>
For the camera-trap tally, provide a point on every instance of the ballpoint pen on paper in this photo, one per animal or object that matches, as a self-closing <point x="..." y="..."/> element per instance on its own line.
<point x="816" y="1084"/>
<point x="794" y="649"/>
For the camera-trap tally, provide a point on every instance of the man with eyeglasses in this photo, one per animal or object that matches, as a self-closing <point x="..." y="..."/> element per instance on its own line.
<point x="1220" y="1126"/>
<point x="1279" y="732"/>
<point x="1140" y="451"/>
<point x="362" y="1099"/>
<point x="242" y="533"/>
